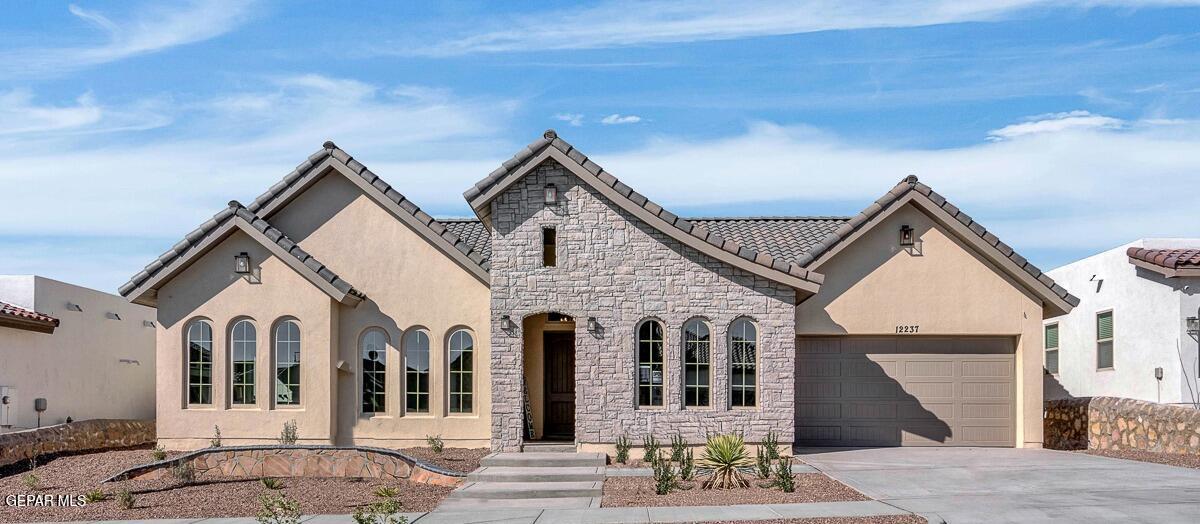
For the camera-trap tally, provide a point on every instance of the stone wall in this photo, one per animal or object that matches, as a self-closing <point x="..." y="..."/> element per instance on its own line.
<point x="616" y="268"/>
<point x="1121" y="423"/>
<point x="85" y="435"/>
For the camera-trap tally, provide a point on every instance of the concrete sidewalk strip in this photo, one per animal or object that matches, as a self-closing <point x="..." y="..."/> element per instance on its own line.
<point x="596" y="516"/>
<point x="490" y="516"/>
<point x="707" y="513"/>
<point x="797" y="468"/>
<point x="865" y="508"/>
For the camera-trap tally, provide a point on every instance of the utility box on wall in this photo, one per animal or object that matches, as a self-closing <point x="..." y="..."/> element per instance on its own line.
<point x="8" y="406"/>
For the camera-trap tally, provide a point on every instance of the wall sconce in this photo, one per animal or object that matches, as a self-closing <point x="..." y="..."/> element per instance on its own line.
<point x="241" y="263"/>
<point x="551" y="194"/>
<point x="1193" y="326"/>
<point x="593" y="325"/>
<point x="906" y="235"/>
<point x="506" y="322"/>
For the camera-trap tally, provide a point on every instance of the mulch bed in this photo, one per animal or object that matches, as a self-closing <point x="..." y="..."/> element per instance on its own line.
<point x="1170" y="459"/>
<point x="623" y="492"/>
<point x="75" y="475"/>
<point x="463" y="460"/>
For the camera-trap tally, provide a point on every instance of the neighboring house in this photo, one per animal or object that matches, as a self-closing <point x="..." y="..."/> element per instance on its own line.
<point x="1132" y="320"/>
<point x="89" y="354"/>
<point x="574" y="308"/>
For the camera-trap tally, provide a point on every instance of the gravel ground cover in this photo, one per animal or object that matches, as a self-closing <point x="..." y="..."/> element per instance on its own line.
<point x="463" y="460"/>
<point x="639" y="492"/>
<point x="1170" y="459"/>
<point x="75" y="475"/>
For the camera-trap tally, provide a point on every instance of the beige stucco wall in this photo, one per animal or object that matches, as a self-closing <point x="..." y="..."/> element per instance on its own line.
<point x="874" y="285"/>
<point x="78" y="369"/>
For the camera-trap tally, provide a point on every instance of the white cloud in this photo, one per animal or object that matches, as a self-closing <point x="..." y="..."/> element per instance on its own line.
<point x="616" y="118"/>
<point x="154" y="28"/>
<point x="1055" y="122"/>
<point x="19" y="115"/>
<point x="574" y="119"/>
<point x="626" y="23"/>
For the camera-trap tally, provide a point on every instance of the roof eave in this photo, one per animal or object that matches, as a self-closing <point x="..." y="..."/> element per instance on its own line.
<point x="27" y="324"/>
<point x="1165" y="271"/>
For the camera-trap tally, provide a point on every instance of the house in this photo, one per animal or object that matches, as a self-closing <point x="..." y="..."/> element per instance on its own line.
<point x="89" y="354"/>
<point x="1134" y="332"/>
<point x="573" y="308"/>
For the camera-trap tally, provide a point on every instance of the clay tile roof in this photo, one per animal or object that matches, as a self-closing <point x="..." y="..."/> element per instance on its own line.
<point x="1178" y="258"/>
<point x="783" y="237"/>
<point x="20" y="313"/>
<point x="473" y="232"/>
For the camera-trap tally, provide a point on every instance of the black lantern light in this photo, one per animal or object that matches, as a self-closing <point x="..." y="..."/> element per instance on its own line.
<point x="551" y="194"/>
<point x="906" y="235"/>
<point x="241" y="263"/>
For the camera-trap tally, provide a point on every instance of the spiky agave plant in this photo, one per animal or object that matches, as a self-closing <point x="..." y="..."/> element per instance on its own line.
<point x="723" y="455"/>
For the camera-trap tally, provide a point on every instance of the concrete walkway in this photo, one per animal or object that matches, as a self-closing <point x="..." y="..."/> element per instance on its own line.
<point x="964" y="485"/>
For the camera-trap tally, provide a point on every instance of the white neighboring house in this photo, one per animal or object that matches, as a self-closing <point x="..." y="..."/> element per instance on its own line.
<point x="1137" y="314"/>
<point x="89" y="354"/>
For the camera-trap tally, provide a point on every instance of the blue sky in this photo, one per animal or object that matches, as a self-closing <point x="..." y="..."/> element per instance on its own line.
<point x="1066" y="127"/>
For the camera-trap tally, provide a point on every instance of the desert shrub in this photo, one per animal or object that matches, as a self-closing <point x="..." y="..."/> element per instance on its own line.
<point x="782" y="475"/>
<point x="278" y="509"/>
<point x="623" y="445"/>
<point x="125" y="499"/>
<point x="665" y="477"/>
<point x="382" y="512"/>
<point x="435" y="443"/>
<point x="723" y="455"/>
<point x="290" y="433"/>
<point x="762" y="463"/>
<point x="159" y="453"/>
<point x="32" y="482"/>
<point x="386" y="492"/>
<point x="95" y="495"/>
<point x="687" y="466"/>
<point x="771" y="442"/>
<point x="184" y="473"/>
<point x="216" y="440"/>
<point x="650" y="449"/>
<point x="271" y="483"/>
<point x="678" y="445"/>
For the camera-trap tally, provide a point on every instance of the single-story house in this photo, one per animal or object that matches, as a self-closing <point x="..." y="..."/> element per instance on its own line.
<point x="1134" y="333"/>
<point x="573" y="308"/>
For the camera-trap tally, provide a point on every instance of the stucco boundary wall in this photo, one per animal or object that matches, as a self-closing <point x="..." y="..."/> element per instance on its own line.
<point x="84" y="435"/>
<point x="299" y="461"/>
<point x="1111" y="423"/>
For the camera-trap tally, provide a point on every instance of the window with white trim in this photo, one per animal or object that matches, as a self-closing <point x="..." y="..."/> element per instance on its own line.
<point x="1104" y="340"/>
<point x="650" y="369"/>
<point x="200" y="361"/>
<point x="697" y="364"/>
<point x="1051" y="346"/>
<point x="416" y="371"/>
<point x="462" y="354"/>
<point x="373" y="349"/>
<point x="243" y="350"/>
<point x="287" y="363"/>
<point x="743" y="363"/>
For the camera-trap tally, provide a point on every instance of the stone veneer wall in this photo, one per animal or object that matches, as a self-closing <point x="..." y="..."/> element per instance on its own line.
<point x="85" y="435"/>
<point x="618" y="269"/>
<point x="1121" y="423"/>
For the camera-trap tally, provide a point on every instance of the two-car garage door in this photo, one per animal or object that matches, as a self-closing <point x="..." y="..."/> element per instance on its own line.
<point x="905" y="391"/>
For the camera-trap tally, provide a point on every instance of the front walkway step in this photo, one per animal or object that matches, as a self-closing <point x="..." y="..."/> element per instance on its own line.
<point x="452" y="504"/>
<point x="548" y="447"/>
<point x="527" y="490"/>
<point x="544" y="460"/>
<point x="513" y="474"/>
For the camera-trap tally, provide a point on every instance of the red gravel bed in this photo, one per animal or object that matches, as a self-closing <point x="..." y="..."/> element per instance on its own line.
<point x="462" y="460"/>
<point x="624" y="492"/>
<point x="1170" y="459"/>
<point x="209" y="497"/>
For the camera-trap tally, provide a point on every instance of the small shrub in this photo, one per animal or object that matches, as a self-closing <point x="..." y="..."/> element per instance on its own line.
<point x="159" y="453"/>
<point x="771" y="442"/>
<point x="623" y="445"/>
<point x="386" y="492"/>
<point x="184" y="473"/>
<point x="665" y="478"/>
<point x="724" y="454"/>
<point x="125" y="499"/>
<point x="290" y="433"/>
<point x="95" y="495"/>
<point x="687" y="466"/>
<point x="762" y="464"/>
<point x="650" y="449"/>
<point x="435" y="443"/>
<point x="278" y="509"/>
<point x="783" y="477"/>
<point x="32" y="482"/>
<point x="382" y="512"/>
<point x="216" y="440"/>
<point x="271" y="483"/>
<point x="678" y="445"/>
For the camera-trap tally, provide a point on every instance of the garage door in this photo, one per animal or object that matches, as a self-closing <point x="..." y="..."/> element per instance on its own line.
<point x="905" y="391"/>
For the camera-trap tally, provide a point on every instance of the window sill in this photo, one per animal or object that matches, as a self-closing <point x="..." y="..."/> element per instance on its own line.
<point x="651" y="408"/>
<point x="374" y="416"/>
<point x="419" y="415"/>
<point x="245" y="407"/>
<point x="201" y="407"/>
<point x="289" y="407"/>
<point x="1103" y="369"/>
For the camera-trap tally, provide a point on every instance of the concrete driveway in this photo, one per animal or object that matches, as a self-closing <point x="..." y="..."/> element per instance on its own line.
<point x="1015" y="485"/>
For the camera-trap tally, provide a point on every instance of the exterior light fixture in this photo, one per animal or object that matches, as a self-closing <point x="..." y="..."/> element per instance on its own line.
<point x="906" y="235"/>
<point x="241" y="263"/>
<point x="1193" y="326"/>
<point x="506" y="322"/>
<point x="551" y="194"/>
<point x="593" y="325"/>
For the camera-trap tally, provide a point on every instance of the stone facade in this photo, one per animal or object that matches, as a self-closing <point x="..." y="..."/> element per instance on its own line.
<point x="621" y="271"/>
<point x="1121" y="423"/>
<point x="86" y="435"/>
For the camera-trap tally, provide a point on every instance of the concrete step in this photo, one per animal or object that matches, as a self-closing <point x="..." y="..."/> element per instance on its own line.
<point x="454" y="505"/>
<point x="548" y="447"/>
<point x="544" y="460"/>
<point x="554" y="474"/>
<point x="527" y="490"/>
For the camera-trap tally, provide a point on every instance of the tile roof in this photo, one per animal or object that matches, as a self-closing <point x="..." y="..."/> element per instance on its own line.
<point x="1179" y="258"/>
<point x="473" y="232"/>
<point x="911" y="184"/>
<point x="783" y="237"/>
<point x="20" y="313"/>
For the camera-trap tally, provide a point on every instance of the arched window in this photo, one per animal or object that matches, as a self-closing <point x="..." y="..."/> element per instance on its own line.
<point x="374" y="359"/>
<point x="416" y="372"/>
<point x="200" y="361"/>
<point x="697" y="363"/>
<point x="743" y="363"/>
<point x="650" y="364"/>
<point x="462" y="353"/>
<point x="243" y="349"/>
<point x="287" y="363"/>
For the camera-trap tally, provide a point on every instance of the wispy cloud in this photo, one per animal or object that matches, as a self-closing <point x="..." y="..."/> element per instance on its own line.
<point x="1055" y="122"/>
<point x="617" y="118"/>
<point x="574" y="119"/>
<point x="626" y="23"/>
<point x="20" y="115"/>
<point x="153" y="28"/>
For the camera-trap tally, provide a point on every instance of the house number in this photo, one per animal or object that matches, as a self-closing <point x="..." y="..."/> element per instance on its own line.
<point x="910" y="329"/>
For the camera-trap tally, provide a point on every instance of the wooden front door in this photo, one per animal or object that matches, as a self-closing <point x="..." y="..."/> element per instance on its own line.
<point x="560" y="385"/>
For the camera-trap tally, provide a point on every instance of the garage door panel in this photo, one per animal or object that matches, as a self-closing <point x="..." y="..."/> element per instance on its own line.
<point x="828" y="435"/>
<point x="930" y="390"/>
<point x="818" y="389"/>
<point x="818" y="410"/>
<point x="987" y="390"/>
<point x="981" y="410"/>
<point x="819" y="367"/>
<point x="872" y="345"/>
<point x="860" y="366"/>
<point x="876" y="390"/>
<point x="987" y="369"/>
<point x="928" y="368"/>
<point x="925" y="346"/>
<point x="874" y="435"/>
<point x="819" y="346"/>
<point x="871" y="410"/>
<point x="912" y="411"/>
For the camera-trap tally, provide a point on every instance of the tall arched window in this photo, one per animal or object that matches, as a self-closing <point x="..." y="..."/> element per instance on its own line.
<point x="287" y="363"/>
<point x="374" y="359"/>
<point x="243" y="349"/>
<point x="697" y="363"/>
<point x="416" y="372"/>
<point x="462" y="353"/>
<point x="650" y="364"/>
<point x="743" y="363"/>
<point x="199" y="348"/>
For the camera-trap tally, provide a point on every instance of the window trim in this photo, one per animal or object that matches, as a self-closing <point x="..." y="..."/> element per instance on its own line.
<point x="1111" y="340"/>
<point x="1046" y="349"/>
<point x="232" y="362"/>
<point x="474" y="373"/>
<point x="275" y="364"/>
<point x="703" y="321"/>
<point x="362" y="383"/>
<point x="187" y="364"/>
<point x="408" y="335"/>
<point x="757" y="362"/>
<point x="637" y="363"/>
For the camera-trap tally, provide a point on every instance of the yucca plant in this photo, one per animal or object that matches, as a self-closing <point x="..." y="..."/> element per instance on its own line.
<point x="723" y="455"/>
<point x="271" y="483"/>
<point x="650" y="449"/>
<point x="762" y="464"/>
<point x="386" y="492"/>
<point x="678" y="445"/>
<point x="623" y="445"/>
<point x="771" y="442"/>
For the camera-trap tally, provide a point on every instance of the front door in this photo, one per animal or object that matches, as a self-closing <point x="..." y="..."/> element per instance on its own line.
<point x="560" y="385"/>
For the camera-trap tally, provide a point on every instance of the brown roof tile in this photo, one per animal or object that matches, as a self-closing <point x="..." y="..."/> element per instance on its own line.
<point x="1176" y="258"/>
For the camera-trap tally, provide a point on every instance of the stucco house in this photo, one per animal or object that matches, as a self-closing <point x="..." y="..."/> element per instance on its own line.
<point x="573" y="308"/>
<point x="89" y="354"/>
<point x="1134" y="333"/>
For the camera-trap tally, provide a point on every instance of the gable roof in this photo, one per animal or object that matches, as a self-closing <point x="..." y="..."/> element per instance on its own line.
<point x="474" y="233"/>
<point x="912" y="190"/>
<point x="697" y="236"/>
<point x="331" y="158"/>
<point x="20" y="318"/>
<point x="783" y="237"/>
<point x="142" y="288"/>
<point x="1176" y="262"/>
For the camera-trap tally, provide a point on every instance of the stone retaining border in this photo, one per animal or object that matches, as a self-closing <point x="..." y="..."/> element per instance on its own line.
<point x="1110" y="423"/>
<point x="83" y="435"/>
<point x="299" y="461"/>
